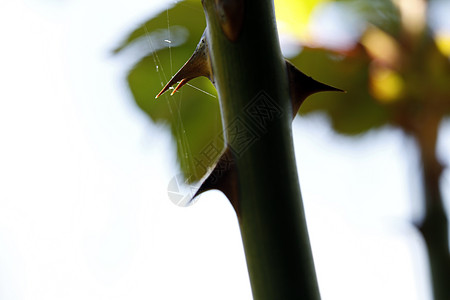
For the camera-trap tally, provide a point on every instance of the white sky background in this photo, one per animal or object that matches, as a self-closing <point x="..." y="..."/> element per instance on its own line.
<point x="84" y="211"/>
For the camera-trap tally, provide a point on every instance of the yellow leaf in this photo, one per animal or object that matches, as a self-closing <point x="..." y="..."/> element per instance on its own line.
<point x="293" y="16"/>
<point x="443" y="43"/>
<point x="386" y="84"/>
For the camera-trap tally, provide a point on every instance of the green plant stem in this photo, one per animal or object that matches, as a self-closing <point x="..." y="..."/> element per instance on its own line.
<point x="434" y="226"/>
<point x="270" y="209"/>
<point x="434" y="229"/>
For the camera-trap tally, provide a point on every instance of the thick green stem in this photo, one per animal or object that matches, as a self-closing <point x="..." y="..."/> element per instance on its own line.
<point x="252" y="84"/>
<point x="434" y="229"/>
<point x="434" y="226"/>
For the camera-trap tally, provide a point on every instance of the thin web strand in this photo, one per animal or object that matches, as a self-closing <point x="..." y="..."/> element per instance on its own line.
<point x="199" y="89"/>
<point x="179" y="126"/>
<point x="155" y="57"/>
<point x="169" y="41"/>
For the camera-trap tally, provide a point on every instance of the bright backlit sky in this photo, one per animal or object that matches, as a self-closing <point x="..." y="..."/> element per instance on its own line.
<point x="84" y="210"/>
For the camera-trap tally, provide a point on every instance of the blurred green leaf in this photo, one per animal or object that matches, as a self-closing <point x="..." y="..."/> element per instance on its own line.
<point x="193" y="116"/>
<point x="353" y="112"/>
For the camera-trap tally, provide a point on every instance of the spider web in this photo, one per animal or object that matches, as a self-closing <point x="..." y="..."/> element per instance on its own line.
<point x="174" y="103"/>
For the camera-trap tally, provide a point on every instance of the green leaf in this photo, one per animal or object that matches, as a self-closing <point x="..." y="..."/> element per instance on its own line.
<point x="350" y="113"/>
<point x="192" y="115"/>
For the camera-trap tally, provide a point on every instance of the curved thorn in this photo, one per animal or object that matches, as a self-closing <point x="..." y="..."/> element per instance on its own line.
<point x="301" y="86"/>
<point x="197" y="65"/>
<point x="180" y="84"/>
<point x="167" y="86"/>
<point x="223" y="178"/>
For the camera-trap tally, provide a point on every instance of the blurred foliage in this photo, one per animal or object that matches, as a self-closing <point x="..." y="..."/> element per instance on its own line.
<point x="294" y="16"/>
<point x="392" y="74"/>
<point x="193" y="116"/>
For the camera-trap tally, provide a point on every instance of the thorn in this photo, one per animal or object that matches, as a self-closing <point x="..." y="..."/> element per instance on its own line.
<point x="301" y="86"/>
<point x="230" y="14"/>
<point x="198" y="65"/>
<point x="223" y="178"/>
<point x="182" y="82"/>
